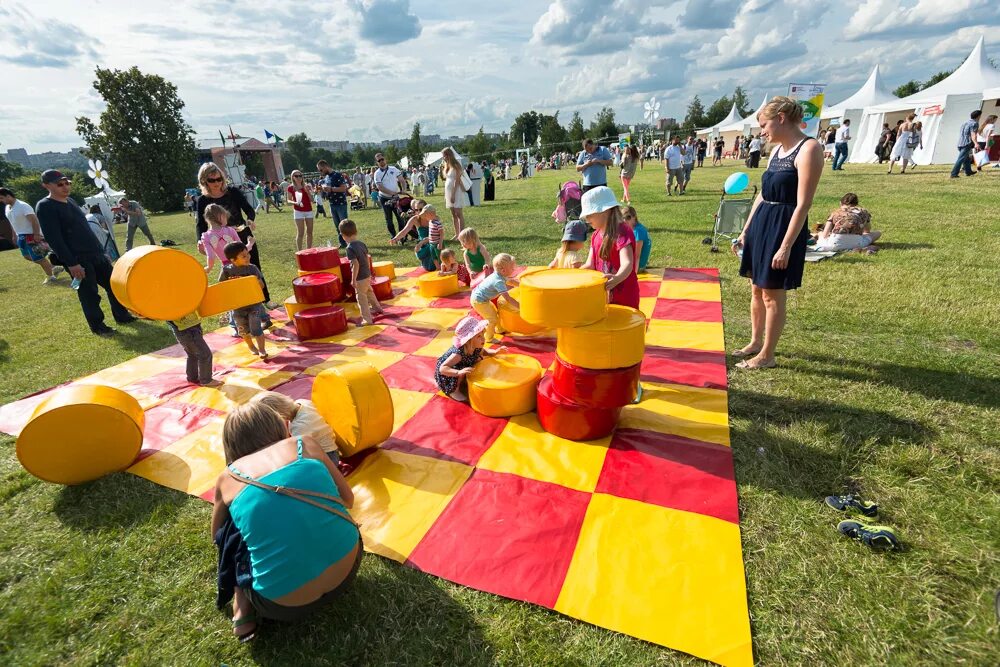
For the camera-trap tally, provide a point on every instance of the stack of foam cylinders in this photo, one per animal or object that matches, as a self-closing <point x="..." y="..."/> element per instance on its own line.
<point x="317" y="288"/>
<point x="599" y="351"/>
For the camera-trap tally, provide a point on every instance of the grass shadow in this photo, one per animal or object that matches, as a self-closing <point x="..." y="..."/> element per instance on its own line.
<point x="891" y="245"/>
<point x="115" y="501"/>
<point x="4" y="350"/>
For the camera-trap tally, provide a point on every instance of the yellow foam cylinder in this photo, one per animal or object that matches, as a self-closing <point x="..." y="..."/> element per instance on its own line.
<point x="335" y="271"/>
<point x="563" y="297"/>
<point x="231" y="294"/>
<point x="292" y="306"/>
<point x="510" y="317"/>
<point x="355" y="401"/>
<point x="159" y="283"/>
<point x="504" y="385"/>
<point x="433" y="284"/>
<point x="384" y="270"/>
<point x="617" y="341"/>
<point x="81" y="433"/>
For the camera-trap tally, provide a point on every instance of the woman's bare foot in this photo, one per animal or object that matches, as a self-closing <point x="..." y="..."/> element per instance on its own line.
<point x="747" y="351"/>
<point x="756" y="363"/>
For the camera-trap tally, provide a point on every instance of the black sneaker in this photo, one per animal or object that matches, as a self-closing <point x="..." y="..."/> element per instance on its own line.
<point x="852" y="503"/>
<point x="105" y="331"/>
<point x="130" y="320"/>
<point x="876" y="537"/>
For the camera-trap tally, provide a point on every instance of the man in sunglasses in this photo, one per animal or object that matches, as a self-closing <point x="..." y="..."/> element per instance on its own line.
<point x="66" y="231"/>
<point x="389" y="182"/>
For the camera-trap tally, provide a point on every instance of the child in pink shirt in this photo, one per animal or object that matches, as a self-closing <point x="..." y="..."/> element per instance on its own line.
<point x="213" y="242"/>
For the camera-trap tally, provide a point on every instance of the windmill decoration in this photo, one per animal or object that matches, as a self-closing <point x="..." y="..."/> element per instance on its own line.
<point x="100" y="176"/>
<point x="651" y="111"/>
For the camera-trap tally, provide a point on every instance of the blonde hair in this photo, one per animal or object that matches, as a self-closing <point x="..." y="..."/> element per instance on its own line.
<point x="216" y="213"/>
<point x="447" y="253"/>
<point x="204" y="172"/>
<point x="448" y="155"/>
<point x="250" y="428"/>
<point x="785" y="105"/>
<point x="503" y="260"/>
<point x="470" y="236"/>
<point x="280" y="403"/>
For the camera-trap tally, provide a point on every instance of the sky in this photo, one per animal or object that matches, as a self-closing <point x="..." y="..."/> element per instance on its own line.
<point x="366" y="70"/>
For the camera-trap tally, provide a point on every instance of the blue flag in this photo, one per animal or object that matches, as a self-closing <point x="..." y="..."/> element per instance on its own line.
<point x="268" y="134"/>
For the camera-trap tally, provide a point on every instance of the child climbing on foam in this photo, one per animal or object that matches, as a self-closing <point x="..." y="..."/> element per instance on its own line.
<point x="450" y="266"/>
<point x="571" y="254"/>
<point x="490" y="288"/>
<point x="213" y="242"/>
<point x="247" y="319"/>
<point x="302" y="419"/>
<point x="465" y="352"/>
<point x="475" y="256"/>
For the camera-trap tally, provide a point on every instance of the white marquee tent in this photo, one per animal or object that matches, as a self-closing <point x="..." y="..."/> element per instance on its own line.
<point x="942" y="109"/>
<point x="872" y="93"/>
<point x="733" y="117"/>
<point x="742" y="126"/>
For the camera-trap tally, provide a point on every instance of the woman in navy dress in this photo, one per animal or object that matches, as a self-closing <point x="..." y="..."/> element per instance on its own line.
<point x="774" y="239"/>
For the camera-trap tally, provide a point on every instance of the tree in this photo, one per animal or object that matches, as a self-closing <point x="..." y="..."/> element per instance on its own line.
<point x="9" y="170"/>
<point x="478" y="146"/>
<point x="524" y="131"/>
<point x="937" y="78"/>
<point x="253" y="163"/>
<point x="907" y="89"/>
<point x="695" y="117"/>
<point x="28" y="187"/>
<point x="298" y="147"/>
<point x="392" y="154"/>
<point x="742" y="102"/>
<point x="414" y="149"/>
<point x="363" y="155"/>
<point x="142" y="136"/>
<point x="554" y="136"/>
<point x="603" y="125"/>
<point x="577" y="133"/>
<point x="718" y="111"/>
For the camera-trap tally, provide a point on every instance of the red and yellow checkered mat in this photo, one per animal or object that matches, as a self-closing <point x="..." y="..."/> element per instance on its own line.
<point x="637" y="532"/>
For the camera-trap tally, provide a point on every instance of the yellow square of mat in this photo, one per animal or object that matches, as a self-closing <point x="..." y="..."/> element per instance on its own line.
<point x="691" y="412"/>
<point x="670" y="577"/>
<point x="353" y="335"/>
<point x="240" y="355"/>
<point x="524" y="448"/>
<point x="434" y="318"/>
<point x="705" y="336"/>
<point x="132" y="370"/>
<point x="438" y="345"/>
<point x="647" y="305"/>
<point x="380" y="359"/>
<point x="223" y="398"/>
<point x="191" y="464"/>
<point x="684" y="289"/>
<point x="256" y="378"/>
<point x="398" y="497"/>
<point x="410" y="299"/>
<point x="405" y="404"/>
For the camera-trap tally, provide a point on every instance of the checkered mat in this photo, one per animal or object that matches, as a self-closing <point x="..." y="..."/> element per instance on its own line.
<point x="637" y="532"/>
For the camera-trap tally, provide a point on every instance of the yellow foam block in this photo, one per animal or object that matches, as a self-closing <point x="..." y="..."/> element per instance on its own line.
<point x="687" y="592"/>
<point x="229" y="295"/>
<point x="504" y="385"/>
<point x="192" y="464"/>
<point x="292" y="306"/>
<point x="692" y="412"/>
<point x="159" y="283"/>
<point x="695" y="291"/>
<point x="398" y="497"/>
<point x="334" y="270"/>
<point x="617" y="341"/>
<point x="81" y="433"/>
<point x="525" y="449"/>
<point x="510" y="317"/>
<point x="384" y="269"/>
<point x="563" y="297"/>
<point x="355" y="401"/>
<point x="433" y="284"/>
<point x="707" y="336"/>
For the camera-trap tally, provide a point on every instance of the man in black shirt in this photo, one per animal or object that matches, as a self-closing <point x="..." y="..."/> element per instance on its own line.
<point x="66" y="230"/>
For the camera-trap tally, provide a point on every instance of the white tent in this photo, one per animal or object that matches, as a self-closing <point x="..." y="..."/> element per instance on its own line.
<point x="742" y="126"/>
<point x="872" y="93"/>
<point x="733" y="117"/>
<point x="942" y="109"/>
<point x="102" y="201"/>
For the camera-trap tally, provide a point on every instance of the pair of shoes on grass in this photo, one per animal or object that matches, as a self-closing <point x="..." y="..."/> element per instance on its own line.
<point x="857" y="528"/>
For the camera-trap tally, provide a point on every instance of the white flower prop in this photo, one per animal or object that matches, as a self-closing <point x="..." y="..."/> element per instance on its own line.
<point x="100" y="176"/>
<point x="651" y="110"/>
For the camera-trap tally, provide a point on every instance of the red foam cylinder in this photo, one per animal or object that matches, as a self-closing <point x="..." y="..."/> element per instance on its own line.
<point x="320" y="322"/>
<point x="318" y="259"/>
<point x="345" y="276"/>
<point x="317" y="288"/>
<point x="613" y="388"/>
<point x="565" y="418"/>
<point x="382" y="287"/>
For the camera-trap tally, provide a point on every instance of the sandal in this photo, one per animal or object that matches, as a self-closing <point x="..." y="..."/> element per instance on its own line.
<point x="745" y="365"/>
<point x="246" y="620"/>
<point x="743" y="353"/>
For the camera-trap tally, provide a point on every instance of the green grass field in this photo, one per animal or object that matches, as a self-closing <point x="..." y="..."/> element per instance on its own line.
<point x="889" y="383"/>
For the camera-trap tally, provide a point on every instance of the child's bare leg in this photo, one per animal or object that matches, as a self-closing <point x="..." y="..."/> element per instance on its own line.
<point x="241" y="609"/>
<point x="261" y="346"/>
<point x="249" y="341"/>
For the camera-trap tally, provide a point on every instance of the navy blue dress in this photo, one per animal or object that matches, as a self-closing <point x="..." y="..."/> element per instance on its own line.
<point x="446" y="383"/>
<point x="769" y="224"/>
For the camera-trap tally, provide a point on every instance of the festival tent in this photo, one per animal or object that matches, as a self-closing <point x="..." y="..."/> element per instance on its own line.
<point x="733" y="117"/>
<point x="873" y="92"/>
<point x="102" y="201"/>
<point x="741" y="127"/>
<point x="942" y="109"/>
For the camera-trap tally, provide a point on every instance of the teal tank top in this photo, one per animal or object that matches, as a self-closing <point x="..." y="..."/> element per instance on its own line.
<point x="291" y="542"/>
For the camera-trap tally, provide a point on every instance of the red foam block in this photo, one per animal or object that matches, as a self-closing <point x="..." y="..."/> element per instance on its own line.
<point x="382" y="286"/>
<point x="317" y="259"/>
<point x="320" y="322"/>
<point x="613" y="388"/>
<point x="565" y="418"/>
<point x="317" y="288"/>
<point x="345" y="277"/>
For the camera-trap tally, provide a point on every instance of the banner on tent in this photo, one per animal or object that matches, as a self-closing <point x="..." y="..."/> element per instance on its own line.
<point x="810" y="98"/>
<point x="624" y="140"/>
<point x="935" y="110"/>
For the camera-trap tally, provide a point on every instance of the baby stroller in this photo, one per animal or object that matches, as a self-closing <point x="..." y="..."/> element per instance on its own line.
<point x="730" y="219"/>
<point x="568" y="206"/>
<point x="357" y="200"/>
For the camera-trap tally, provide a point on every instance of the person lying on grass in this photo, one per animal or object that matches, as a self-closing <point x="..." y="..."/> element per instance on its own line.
<point x="304" y="549"/>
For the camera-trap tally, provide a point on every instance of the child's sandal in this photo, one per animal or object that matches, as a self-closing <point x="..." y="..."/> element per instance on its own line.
<point x="246" y="620"/>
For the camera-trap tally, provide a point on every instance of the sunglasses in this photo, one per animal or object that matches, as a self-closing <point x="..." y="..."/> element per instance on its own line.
<point x="380" y="159"/>
<point x="65" y="183"/>
<point x="217" y="179"/>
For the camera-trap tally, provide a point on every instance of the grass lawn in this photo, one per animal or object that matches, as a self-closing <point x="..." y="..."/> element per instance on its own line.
<point x="889" y="383"/>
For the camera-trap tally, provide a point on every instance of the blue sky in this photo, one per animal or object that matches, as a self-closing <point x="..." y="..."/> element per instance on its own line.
<point x="367" y="69"/>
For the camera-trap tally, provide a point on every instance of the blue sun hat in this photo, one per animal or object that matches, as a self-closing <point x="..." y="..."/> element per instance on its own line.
<point x="597" y="200"/>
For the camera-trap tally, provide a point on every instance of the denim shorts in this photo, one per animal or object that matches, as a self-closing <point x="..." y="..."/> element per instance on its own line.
<point x="248" y="321"/>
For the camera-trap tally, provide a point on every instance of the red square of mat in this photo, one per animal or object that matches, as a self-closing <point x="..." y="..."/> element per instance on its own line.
<point x="542" y="349"/>
<point x="649" y="288"/>
<point x="419" y="271"/>
<point x="694" y="275"/>
<point x="16" y="414"/>
<point x="297" y="361"/>
<point x="297" y="388"/>
<point x="671" y="471"/>
<point x="447" y="429"/>
<point x="163" y="385"/>
<point x="400" y="339"/>
<point x="456" y="300"/>
<point x="394" y="314"/>
<point x="689" y="310"/>
<point x="414" y="372"/>
<point x="169" y="422"/>
<point x="507" y="535"/>
<point x="216" y="342"/>
<point x="695" y="368"/>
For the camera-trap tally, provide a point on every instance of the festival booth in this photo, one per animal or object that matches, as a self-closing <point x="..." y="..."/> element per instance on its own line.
<point x="101" y="200"/>
<point x="742" y="127"/>
<point x="872" y="93"/>
<point x="942" y="109"/>
<point x="713" y="132"/>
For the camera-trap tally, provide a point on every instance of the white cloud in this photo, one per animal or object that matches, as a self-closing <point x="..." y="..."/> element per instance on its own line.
<point x="27" y="40"/>
<point x="876" y="18"/>
<point x="590" y="27"/>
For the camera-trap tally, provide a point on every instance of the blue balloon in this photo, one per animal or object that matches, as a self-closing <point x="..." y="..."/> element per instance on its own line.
<point x="736" y="183"/>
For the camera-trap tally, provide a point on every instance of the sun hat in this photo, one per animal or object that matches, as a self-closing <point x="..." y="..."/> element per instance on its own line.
<point x="597" y="200"/>
<point x="575" y="230"/>
<point x="467" y="329"/>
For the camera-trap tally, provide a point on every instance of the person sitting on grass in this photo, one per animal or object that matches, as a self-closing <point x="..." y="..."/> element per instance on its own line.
<point x="490" y="288"/>
<point x="477" y="258"/>
<point x="465" y="352"/>
<point x="303" y="547"/>
<point x="450" y="266"/>
<point x="848" y="228"/>
<point x="571" y="254"/>
<point x="302" y="418"/>
<point x="248" y="322"/>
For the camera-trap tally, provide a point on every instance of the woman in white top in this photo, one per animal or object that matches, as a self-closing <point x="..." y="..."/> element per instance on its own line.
<point x="903" y="148"/>
<point x="985" y="130"/>
<point x="454" y="190"/>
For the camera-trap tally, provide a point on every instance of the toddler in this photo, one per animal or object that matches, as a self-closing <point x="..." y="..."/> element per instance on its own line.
<point x="187" y="331"/>
<point x="361" y="273"/>
<point x="476" y="257"/>
<point x="490" y="288"/>
<point x="302" y="419"/>
<point x="435" y="235"/>
<point x="247" y="319"/>
<point x="466" y="350"/>
<point x="449" y="266"/>
<point x="571" y="255"/>
<point x="213" y="242"/>
<point x="643" y="244"/>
